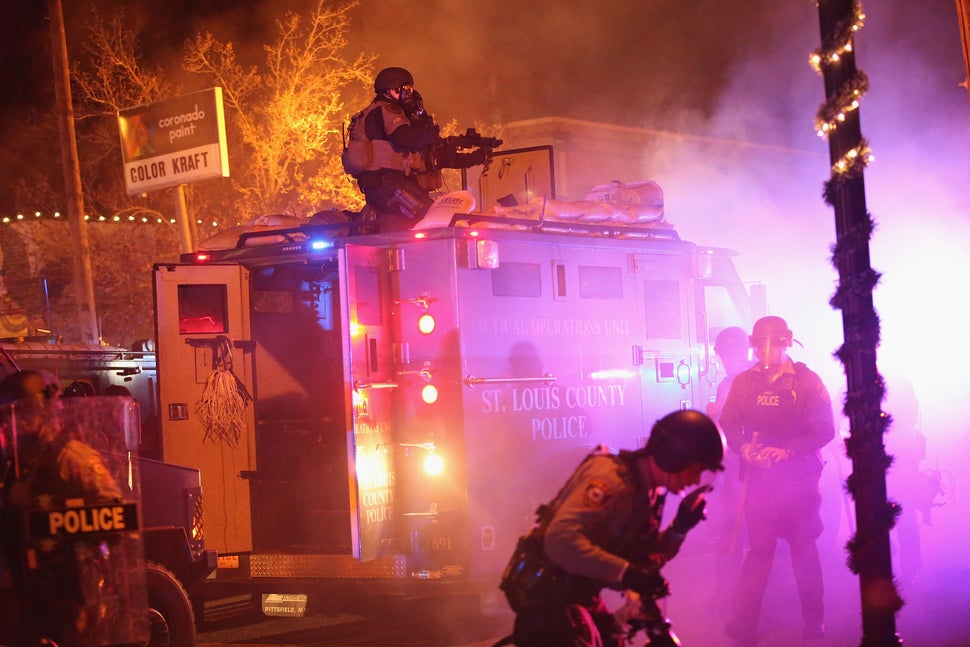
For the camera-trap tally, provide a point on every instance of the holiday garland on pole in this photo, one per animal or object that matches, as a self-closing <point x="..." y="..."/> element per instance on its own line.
<point x="838" y="119"/>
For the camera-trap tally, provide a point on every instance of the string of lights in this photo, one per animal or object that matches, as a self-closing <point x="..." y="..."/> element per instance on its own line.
<point x="842" y="40"/>
<point x="833" y="111"/>
<point x="57" y="215"/>
<point x="854" y="161"/>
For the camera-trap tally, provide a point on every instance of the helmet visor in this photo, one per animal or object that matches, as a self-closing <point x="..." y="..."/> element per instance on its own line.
<point x="769" y="349"/>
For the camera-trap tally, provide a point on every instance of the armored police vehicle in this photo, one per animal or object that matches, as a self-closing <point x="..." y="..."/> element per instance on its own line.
<point x="382" y="412"/>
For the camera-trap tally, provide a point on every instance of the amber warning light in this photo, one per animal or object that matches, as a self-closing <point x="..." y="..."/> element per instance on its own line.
<point x="426" y="324"/>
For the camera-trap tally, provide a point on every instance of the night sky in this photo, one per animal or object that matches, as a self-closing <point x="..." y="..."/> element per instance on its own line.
<point x="731" y="69"/>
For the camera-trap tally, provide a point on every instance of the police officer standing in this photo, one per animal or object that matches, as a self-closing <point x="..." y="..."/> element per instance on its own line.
<point x="778" y="416"/>
<point x="603" y="529"/>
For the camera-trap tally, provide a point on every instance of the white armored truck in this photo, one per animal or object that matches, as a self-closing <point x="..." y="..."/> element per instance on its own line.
<point x="383" y="412"/>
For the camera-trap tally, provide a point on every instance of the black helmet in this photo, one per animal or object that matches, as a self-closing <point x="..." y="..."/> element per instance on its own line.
<point x="26" y="385"/>
<point x="684" y="437"/>
<point x="78" y="389"/>
<point x="731" y="338"/>
<point x="391" y="78"/>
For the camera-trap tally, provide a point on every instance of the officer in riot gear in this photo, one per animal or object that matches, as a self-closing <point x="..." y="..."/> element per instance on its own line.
<point x="395" y="154"/>
<point x="67" y="519"/>
<point x="778" y="417"/>
<point x="382" y="153"/>
<point x="603" y="529"/>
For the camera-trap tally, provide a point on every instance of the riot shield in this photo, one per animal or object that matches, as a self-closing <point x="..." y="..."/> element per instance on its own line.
<point x="71" y="532"/>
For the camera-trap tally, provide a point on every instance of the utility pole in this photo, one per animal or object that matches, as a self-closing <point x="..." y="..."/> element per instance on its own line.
<point x="83" y="280"/>
<point x="838" y="118"/>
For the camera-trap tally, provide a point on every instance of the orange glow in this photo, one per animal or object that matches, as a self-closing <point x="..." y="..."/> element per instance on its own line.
<point x="434" y="465"/>
<point x="429" y="393"/>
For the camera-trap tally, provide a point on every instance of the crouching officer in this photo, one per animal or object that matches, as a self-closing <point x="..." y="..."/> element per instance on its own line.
<point x="394" y="152"/>
<point x="603" y="530"/>
<point x="384" y="151"/>
<point x="70" y="519"/>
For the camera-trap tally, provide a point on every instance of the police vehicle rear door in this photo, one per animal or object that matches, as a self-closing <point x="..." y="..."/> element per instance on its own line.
<point x="199" y="309"/>
<point x="371" y="447"/>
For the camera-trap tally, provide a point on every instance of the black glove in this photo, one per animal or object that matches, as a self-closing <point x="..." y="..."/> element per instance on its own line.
<point x="477" y="157"/>
<point x="648" y="584"/>
<point x="430" y="132"/>
<point x="691" y="510"/>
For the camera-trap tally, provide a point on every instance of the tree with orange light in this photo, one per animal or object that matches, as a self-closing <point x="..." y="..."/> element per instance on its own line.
<point x="284" y="123"/>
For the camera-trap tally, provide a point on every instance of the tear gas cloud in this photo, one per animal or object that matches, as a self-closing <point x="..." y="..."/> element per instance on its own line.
<point x="743" y="75"/>
<point x="739" y="72"/>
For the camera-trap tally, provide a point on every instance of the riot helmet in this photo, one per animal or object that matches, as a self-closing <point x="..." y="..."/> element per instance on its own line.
<point x="773" y="329"/>
<point x="733" y="350"/>
<point x="26" y="385"/>
<point x="78" y="389"/>
<point x="730" y="339"/>
<point x="683" y="438"/>
<point x="770" y="339"/>
<point x="392" y="78"/>
<point x="32" y="394"/>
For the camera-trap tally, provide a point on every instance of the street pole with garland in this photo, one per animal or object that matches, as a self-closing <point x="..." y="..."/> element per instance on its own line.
<point x="838" y="119"/>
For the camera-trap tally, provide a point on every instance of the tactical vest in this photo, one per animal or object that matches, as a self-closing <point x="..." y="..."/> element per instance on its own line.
<point x="363" y="154"/>
<point x="530" y="576"/>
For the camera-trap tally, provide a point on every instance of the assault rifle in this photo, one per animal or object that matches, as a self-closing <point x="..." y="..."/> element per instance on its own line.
<point x="450" y="151"/>
<point x="453" y="151"/>
<point x="651" y="621"/>
<point x="472" y="139"/>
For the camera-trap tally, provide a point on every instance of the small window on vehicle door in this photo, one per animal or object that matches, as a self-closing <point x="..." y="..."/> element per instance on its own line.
<point x="600" y="282"/>
<point x="516" y="280"/>
<point x="662" y="309"/>
<point x="202" y="309"/>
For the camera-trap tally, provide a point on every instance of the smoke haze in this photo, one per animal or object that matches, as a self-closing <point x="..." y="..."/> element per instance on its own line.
<point x="740" y="72"/>
<point x="736" y="71"/>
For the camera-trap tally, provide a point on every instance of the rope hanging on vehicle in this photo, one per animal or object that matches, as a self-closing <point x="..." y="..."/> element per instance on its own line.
<point x="222" y="407"/>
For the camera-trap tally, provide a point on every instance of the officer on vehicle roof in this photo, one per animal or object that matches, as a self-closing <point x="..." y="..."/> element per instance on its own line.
<point x="388" y="152"/>
<point x="603" y="530"/>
